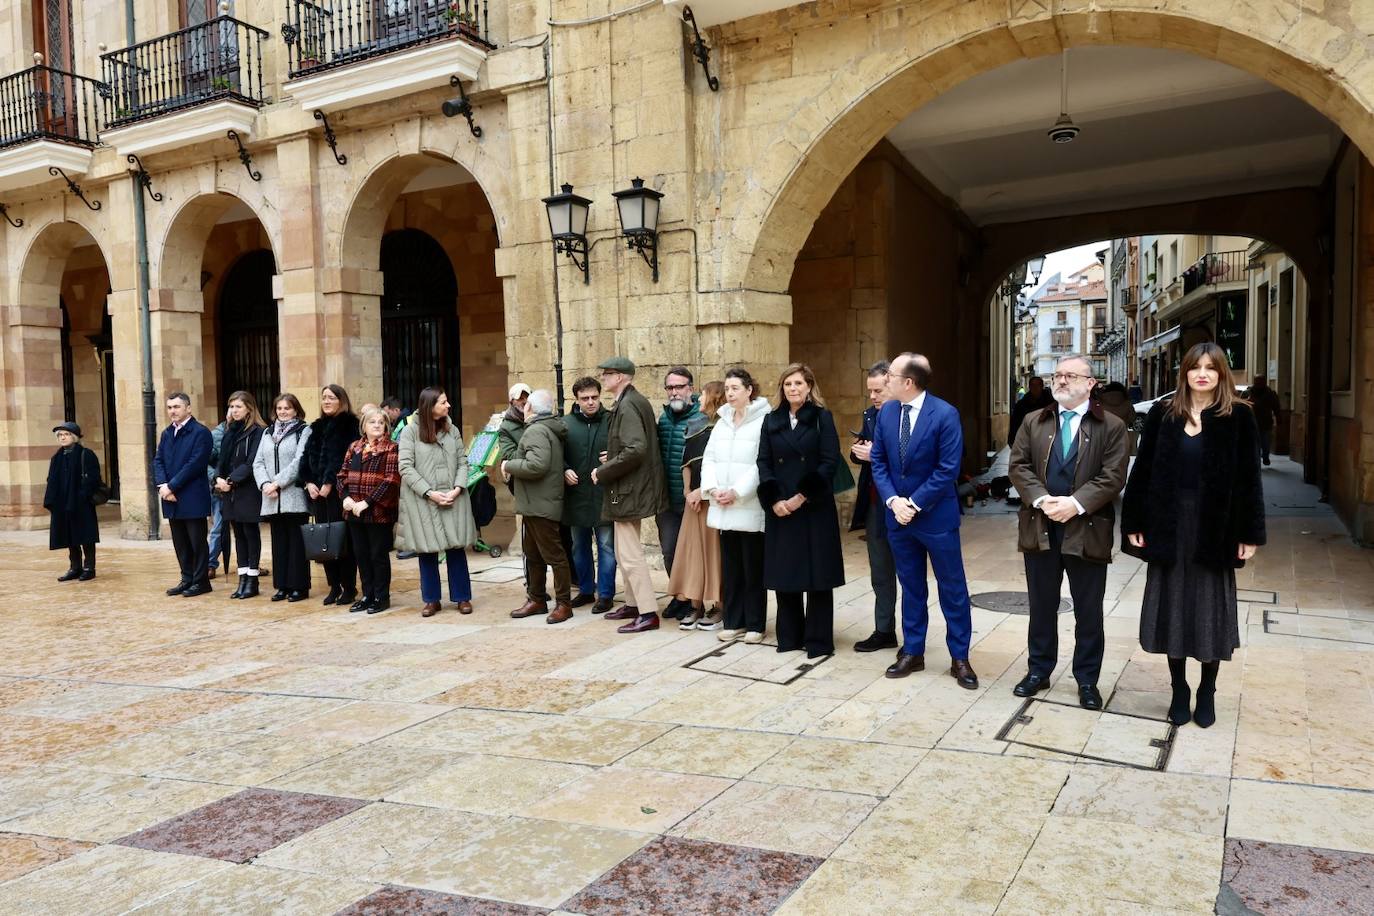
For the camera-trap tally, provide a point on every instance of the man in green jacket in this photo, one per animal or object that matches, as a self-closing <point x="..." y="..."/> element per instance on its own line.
<point x="587" y="425"/>
<point x="537" y="469"/>
<point x="680" y="418"/>
<point x="636" y="489"/>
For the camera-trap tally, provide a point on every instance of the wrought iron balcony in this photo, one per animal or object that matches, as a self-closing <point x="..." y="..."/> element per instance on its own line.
<point x="218" y="59"/>
<point x="43" y="103"/>
<point x="322" y="34"/>
<point x="1216" y="267"/>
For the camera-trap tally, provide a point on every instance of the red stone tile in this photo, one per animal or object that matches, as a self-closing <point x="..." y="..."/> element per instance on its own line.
<point x="1273" y="878"/>
<point x="409" y="901"/>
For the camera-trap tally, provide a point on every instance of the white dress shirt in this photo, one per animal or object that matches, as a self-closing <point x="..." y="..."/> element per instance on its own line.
<point x="1075" y="421"/>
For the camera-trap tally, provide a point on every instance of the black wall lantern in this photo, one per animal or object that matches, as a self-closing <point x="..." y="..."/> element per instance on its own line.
<point x="638" y="208"/>
<point x="568" y="225"/>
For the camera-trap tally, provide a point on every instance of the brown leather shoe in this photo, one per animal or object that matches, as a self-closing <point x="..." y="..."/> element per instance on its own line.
<point x="561" y="612"/>
<point x="463" y="607"/>
<point x="641" y="624"/>
<point x="962" y="672"/>
<point x="624" y="612"/>
<point x="906" y="665"/>
<point x="431" y="608"/>
<point x="530" y="609"/>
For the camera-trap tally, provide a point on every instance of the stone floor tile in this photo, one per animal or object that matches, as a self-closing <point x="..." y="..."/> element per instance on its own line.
<point x="360" y="722"/>
<point x="252" y="889"/>
<point x="243" y="825"/>
<point x="31" y="740"/>
<point x="1081" y="859"/>
<point x="1282" y="880"/>
<point x="903" y="887"/>
<point x="250" y="759"/>
<point x="104" y="880"/>
<point x="369" y="771"/>
<point x="708" y="751"/>
<point x="22" y="853"/>
<point x="408" y="901"/>
<point x="85" y="701"/>
<point x="531" y="694"/>
<point x="786" y="818"/>
<point x="627" y="798"/>
<point x="119" y="809"/>
<point x="466" y="730"/>
<point x="694" y="878"/>
<point x="1302" y="815"/>
<point x="262" y="714"/>
<point x="488" y="785"/>
<point x="1196" y="804"/>
<point x="423" y="634"/>
<point x="145" y="753"/>
<point x="573" y="739"/>
<point x="26" y="790"/>
<point x="842" y="766"/>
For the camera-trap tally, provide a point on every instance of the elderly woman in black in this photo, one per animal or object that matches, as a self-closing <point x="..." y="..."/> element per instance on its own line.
<point x="1194" y="511"/>
<point x="330" y="437"/>
<point x="240" y="498"/>
<point x="73" y="479"/>
<point x="798" y="453"/>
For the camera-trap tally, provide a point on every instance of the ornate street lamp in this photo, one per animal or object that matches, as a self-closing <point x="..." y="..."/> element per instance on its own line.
<point x="638" y="208"/>
<point x="568" y="225"/>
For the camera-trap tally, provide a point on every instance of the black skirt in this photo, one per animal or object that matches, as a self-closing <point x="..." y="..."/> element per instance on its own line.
<point x="1189" y="610"/>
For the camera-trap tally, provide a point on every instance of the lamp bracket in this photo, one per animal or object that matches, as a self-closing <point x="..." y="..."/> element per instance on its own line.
<point x="5" y="212"/>
<point x="145" y="181"/>
<point x="646" y="243"/>
<point x="245" y="157"/>
<point x="330" y="138"/>
<point x="73" y="187"/>
<point x="700" y="50"/>
<point x="573" y="247"/>
<point x="464" y="106"/>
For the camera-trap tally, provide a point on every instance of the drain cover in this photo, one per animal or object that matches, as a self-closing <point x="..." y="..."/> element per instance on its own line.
<point x="1012" y="602"/>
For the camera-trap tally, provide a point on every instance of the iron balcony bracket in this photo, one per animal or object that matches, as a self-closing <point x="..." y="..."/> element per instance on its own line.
<point x="330" y="138"/>
<point x="145" y="181"/>
<point x="245" y="157"/>
<point x="464" y="107"/>
<point x="699" y="49"/>
<point x="5" y="212"/>
<point x="73" y="187"/>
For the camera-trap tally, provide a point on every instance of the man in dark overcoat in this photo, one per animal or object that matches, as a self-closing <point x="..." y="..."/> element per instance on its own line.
<point x="183" y="453"/>
<point x="73" y="478"/>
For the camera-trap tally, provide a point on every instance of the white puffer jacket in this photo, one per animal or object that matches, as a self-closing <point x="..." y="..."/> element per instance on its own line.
<point x="731" y="462"/>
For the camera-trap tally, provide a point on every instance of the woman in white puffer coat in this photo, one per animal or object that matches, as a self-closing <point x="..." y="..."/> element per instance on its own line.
<point x="730" y="480"/>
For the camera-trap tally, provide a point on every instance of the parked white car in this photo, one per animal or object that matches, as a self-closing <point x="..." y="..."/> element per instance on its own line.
<point x="1142" y="408"/>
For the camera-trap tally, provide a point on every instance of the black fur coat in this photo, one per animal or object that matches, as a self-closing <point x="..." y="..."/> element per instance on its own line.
<point x="1231" y="499"/>
<point x="324" y="450"/>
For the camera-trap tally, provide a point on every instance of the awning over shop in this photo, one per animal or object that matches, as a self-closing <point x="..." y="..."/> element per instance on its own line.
<point x="1160" y="341"/>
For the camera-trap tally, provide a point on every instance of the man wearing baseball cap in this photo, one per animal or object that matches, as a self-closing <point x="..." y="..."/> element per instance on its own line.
<point x="634" y="489"/>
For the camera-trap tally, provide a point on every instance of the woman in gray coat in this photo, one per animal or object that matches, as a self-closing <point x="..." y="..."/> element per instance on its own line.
<point x="276" y="469"/>
<point x="435" y="513"/>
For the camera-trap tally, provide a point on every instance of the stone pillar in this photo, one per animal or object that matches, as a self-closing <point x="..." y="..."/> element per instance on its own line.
<point x="32" y="380"/>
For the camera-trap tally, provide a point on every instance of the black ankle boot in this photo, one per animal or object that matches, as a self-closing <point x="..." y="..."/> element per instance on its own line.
<point x="243" y="585"/>
<point x="87" y="574"/>
<point x="250" y="589"/>
<point x="69" y="575"/>
<point x="1205" y="709"/>
<point x="1178" y="709"/>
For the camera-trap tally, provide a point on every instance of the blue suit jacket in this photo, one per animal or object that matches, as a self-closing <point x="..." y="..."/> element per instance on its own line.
<point x="180" y="463"/>
<point x="930" y="472"/>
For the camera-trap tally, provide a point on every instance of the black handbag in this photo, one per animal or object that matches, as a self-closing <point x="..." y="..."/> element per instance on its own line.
<point x="100" y="494"/>
<point x="324" y="541"/>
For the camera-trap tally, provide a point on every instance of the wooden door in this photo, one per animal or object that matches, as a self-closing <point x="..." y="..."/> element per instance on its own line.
<point x="54" y="103"/>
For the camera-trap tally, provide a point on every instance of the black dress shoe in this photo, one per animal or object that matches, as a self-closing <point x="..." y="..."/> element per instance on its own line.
<point x="179" y="587"/>
<point x="71" y="574"/>
<point x="1031" y="684"/>
<point x="962" y="671"/>
<point x="200" y="588"/>
<point x="87" y="575"/>
<point x="348" y="597"/>
<point x="334" y="594"/>
<point x="582" y="600"/>
<point x="1088" y="697"/>
<point x="281" y="595"/>
<point x="298" y="596"/>
<point x="377" y="605"/>
<point x="906" y="665"/>
<point x="877" y="641"/>
<point x="602" y="605"/>
<point x="360" y="605"/>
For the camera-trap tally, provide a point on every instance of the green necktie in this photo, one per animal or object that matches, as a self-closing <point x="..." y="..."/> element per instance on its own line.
<point x="1065" y="433"/>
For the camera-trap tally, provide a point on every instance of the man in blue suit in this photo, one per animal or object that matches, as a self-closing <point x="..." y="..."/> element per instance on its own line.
<point x="918" y="448"/>
<point x="179" y="473"/>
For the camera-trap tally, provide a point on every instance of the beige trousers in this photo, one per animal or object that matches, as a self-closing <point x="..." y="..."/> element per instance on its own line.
<point x="629" y="556"/>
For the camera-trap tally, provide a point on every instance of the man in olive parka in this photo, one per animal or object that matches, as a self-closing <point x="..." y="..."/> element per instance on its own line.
<point x="537" y="469"/>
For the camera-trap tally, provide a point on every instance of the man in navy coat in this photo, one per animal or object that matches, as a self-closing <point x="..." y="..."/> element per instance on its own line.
<point x="179" y="472"/>
<point x="917" y="452"/>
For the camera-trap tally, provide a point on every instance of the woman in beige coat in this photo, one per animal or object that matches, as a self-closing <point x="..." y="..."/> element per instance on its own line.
<point x="436" y="516"/>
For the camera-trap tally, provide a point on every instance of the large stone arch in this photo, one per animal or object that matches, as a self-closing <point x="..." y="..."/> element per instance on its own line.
<point x="922" y="52"/>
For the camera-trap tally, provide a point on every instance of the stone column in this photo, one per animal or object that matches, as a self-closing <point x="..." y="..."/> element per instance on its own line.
<point x="32" y="377"/>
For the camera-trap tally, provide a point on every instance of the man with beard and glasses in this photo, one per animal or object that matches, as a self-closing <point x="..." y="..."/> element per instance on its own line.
<point x="680" y="420"/>
<point x="1068" y="463"/>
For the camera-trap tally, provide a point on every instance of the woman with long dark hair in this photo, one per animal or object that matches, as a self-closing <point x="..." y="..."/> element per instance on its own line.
<point x="1194" y="511"/>
<point x="369" y="483"/>
<point x="240" y="498"/>
<point x="330" y="435"/>
<point x="276" y="470"/>
<point x="802" y="560"/>
<point x="435" y="512"/>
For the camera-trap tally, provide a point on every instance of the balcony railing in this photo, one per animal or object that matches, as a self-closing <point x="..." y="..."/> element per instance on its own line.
<point x="1216" y="267"/>
<point x="321" y="34"/>
<point x="42" y="103"/>
<point x="218" y="59"/>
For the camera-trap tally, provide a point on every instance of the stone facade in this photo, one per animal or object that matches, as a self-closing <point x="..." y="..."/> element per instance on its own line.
<point x="805" y="94"/>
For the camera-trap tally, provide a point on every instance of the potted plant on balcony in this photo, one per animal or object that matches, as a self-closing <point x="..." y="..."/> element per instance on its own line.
<point x="312" y="54"/>
<point x="460" y="19"/>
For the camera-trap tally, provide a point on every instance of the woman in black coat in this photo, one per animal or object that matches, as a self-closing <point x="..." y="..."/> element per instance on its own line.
<point x="73" y="478"/>
<point x="798" y="453"/>
<point x="240" y="498"/>
<point x="1194" y="511"/>
<point x="330" y="437"/>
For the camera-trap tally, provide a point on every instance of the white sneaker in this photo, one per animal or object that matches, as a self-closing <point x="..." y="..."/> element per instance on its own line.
<point x="729" y="635"/>
<point x="753" y="638"/>
<point x="711" y="620"/>
<point x="691" y="620"/>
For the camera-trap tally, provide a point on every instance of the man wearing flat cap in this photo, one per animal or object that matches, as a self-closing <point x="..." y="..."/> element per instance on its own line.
<point x="631" y="473"/>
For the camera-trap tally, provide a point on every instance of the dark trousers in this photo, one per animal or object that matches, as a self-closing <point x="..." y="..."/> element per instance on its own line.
<point x="372" y="548"/>
<point x="812" y="629"/>
<point x="74" y="556"/>
<point x="343" y="572"/>
<point x="882" y="571"/>
<point x="1266" y="437"/>
<point x="543" y="549"/>
<point x="910" y="551"/>
<point x="669" y="524"/>
<point x="248" y="540"/>
<point x="741" y="581"/>
<point x="1045" y="571"/>
<point x="191" y="541"/>
<point x="459" y="582"/>
<point x="290" y="568"/>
